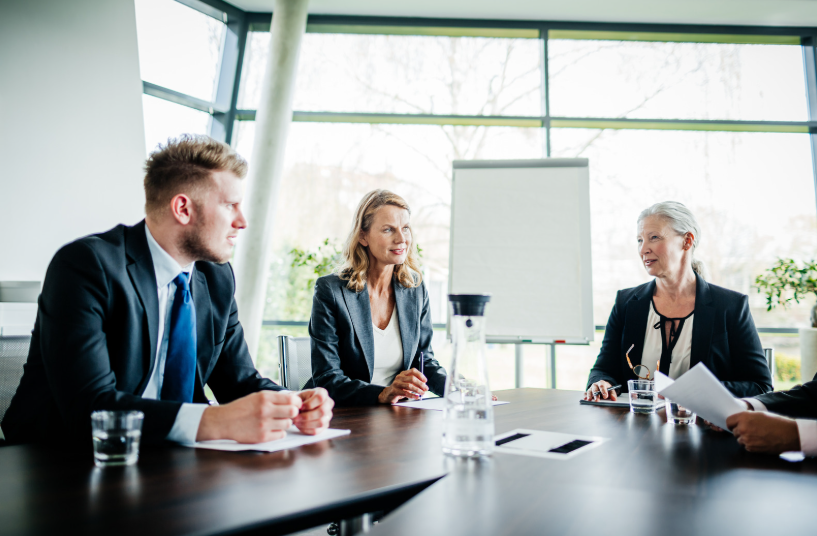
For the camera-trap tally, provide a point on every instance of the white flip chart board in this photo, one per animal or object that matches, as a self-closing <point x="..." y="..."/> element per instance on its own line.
<point x="520" y="231"/>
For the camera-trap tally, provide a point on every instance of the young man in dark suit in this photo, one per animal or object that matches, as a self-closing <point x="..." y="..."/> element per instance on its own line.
<point x="142" y="317"/>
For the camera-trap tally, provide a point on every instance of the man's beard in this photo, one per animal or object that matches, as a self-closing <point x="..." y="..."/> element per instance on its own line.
<point x="195" y="246"/>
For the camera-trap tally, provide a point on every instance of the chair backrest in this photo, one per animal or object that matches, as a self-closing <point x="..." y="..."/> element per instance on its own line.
<point x="295" y="361"/>
<point x="769" y="353"/>
<point x="13" y="355"/>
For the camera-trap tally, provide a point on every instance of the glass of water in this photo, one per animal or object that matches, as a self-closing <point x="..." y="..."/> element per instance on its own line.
<point x="643" y="396"/>
<point x="116" y="437"/>
<point x="677" y="414"/>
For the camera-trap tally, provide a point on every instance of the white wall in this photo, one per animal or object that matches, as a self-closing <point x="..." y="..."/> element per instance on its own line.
<point x="72" y="140"/>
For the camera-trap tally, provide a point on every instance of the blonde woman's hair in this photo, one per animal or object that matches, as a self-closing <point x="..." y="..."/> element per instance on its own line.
<point x="682" y="222"/>
<point x="355" y="264"/>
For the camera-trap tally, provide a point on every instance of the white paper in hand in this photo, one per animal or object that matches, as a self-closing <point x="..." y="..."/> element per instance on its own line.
<point x="700" y="391"/>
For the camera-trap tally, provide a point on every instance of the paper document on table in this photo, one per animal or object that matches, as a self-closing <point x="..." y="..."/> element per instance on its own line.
<point x="622" y="402"/>
<point x="554" y="445"/>
<point x="437" y="404"/>
<point x="700" y="391"/>
<point x="293" y="439"/>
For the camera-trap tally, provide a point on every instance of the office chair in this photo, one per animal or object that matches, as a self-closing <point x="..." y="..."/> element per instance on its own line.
<point x="769" y="353"/>
<point x="295" y="361"/>
<point x="13" y="354"/>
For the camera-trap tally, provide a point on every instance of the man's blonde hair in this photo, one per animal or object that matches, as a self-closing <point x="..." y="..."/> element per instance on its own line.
<point x="356" y="256"/>
<point x="185" y="165"/>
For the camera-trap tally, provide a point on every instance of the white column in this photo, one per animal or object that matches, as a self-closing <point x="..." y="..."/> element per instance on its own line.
<point x="260" y="199"/>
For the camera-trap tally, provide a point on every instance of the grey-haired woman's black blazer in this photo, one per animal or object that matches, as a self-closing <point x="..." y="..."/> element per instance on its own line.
<point x="724" y="339"/>
<point x="343" y="340"/>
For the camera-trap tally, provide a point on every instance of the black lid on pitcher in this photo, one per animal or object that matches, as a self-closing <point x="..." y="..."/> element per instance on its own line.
<point x="469" y="304"/>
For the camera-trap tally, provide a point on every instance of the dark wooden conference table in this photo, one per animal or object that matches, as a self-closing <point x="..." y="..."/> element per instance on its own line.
<point x="649" y="478"/>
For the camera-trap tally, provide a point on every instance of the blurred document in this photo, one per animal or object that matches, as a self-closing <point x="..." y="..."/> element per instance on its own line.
<point x="700" y="391"/>
<point x="293" y="439"/>
<point x="622" y="402"/>
<point x="437" y="404"/>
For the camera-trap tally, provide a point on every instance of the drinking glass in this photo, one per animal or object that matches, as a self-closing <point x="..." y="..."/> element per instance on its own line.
<point x="677" y="414"/>
<point x="116" y="436"/>
<point x="643" y="396"/>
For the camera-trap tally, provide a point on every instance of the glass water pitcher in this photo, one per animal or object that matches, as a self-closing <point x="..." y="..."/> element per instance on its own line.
<point x="468" y="417"/>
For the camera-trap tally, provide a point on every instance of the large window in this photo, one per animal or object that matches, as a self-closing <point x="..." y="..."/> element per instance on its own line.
<point x="409" y="74"/>
<point x="179" y="57"/>
<point x="718" y="122"/>
<point x="655" y="80"/>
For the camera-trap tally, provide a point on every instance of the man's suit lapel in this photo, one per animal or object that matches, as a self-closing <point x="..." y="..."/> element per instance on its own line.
<point x="204" y="327"/>
<point x="635" y="323"/>
<point x="701" y="323"/>
<point x="357" y="303"/>
<point x="408" y="320"/>
<point x="142" y="275"/>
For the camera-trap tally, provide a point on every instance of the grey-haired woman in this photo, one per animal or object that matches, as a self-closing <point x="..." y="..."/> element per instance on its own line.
<point x="678" y="319"/>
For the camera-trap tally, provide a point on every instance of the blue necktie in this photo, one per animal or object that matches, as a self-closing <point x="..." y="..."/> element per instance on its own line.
<point x="180" y="365"/>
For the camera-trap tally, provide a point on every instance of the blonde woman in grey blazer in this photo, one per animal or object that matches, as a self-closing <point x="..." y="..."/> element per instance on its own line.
<point x="370" y="323"/>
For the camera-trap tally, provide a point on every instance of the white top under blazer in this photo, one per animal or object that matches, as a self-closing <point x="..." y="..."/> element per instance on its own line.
<point x="653" y="347"/>
<point x="388" y="352"/>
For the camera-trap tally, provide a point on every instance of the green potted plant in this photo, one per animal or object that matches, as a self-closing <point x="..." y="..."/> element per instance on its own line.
<point x="785" y="282"/>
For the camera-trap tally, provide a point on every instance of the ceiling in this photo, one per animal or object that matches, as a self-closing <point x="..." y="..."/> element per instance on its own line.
<point x="721" y="12"/>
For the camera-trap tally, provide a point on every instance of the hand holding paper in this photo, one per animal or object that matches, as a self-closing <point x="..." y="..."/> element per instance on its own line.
<point x="700" y="391"/>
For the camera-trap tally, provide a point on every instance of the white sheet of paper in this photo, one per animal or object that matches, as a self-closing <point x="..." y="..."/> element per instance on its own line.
<point x="539" y="442"/>
<point x="662" y="381"/>
<point x="700" y="391"/>
<point x="293" y="439"/>
<point x="436" y="404"/>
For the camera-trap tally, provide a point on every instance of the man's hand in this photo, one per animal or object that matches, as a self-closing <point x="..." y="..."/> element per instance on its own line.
<point x="256" y="418"/>
<point x="408" y="384"/>
<point x="316" y="411"/>
<point x="763" y="432"/>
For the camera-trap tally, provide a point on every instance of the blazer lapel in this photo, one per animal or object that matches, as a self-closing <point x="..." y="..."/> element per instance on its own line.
<point x="204" y="327"/>
<point x="143" y="277"/>
<point x="635" y="323"/>
<point x="701" y="323"/>
<point x="409" y="320"/>
<point x="357" y="303"/>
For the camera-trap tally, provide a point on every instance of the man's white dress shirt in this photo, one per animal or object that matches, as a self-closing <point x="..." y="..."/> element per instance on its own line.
<point x="186" y="426"/>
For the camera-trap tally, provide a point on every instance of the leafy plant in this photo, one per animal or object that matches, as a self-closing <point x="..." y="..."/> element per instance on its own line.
<point x="787" y="281"/>
<point x="788" y="368"/>
<point x="318" y="262"/>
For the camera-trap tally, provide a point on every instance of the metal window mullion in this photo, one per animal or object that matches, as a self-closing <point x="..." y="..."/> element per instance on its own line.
<point x="229" y="78"/>
<point x="170" y="95"/>
<point x="364" y="20"/>
<point x="545" y="88"/>
<point x="539" y="121"/>
<point x="810" y="71"/>
<point x="217" y="9"/>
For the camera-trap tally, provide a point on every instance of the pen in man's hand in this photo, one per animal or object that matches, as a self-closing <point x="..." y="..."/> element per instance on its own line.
<point x="611" y="388"/>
